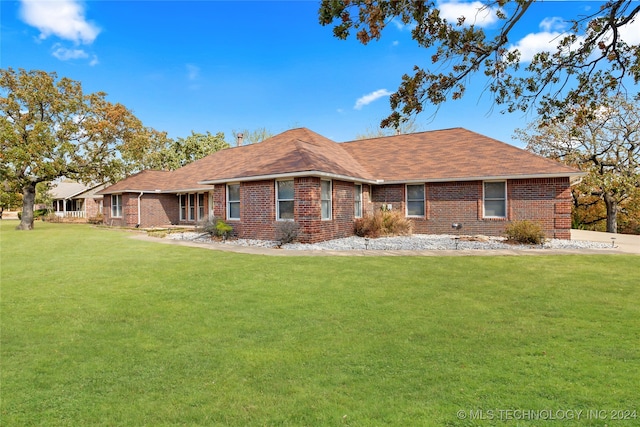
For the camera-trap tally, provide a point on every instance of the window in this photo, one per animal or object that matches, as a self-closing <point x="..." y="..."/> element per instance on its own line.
<point x="233" y="201"/>
<point x="415" y="200"/>
<point x="325" y="197"/>
<point x="357" y="201"/>
<point x="190" y="204"/>
<point x="183" y="207"/>
<point x="192" y="207"/>
<point x="495" y="199"/>
<point x="200" y="205"/>
<point x="284" y="200"/>
<point x="116" y="205"/>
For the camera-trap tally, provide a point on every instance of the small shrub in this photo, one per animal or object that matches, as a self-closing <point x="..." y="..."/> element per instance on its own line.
<point x="98" y="219"/>
<point x="52" y="217"/>
<point x="39" y="213"/>
<point x="361" y="227"/>
<point x="527" y="232"/>
<point x="223" y="229"/>
<point x="286" y="231"/>
<point x="214" y="226"/>
<point x="395" y="224"/>
<point x="207" y="225"/>
<point x="383" y="223"/>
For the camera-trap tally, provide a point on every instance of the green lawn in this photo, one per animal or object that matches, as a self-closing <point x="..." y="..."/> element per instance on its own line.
<point x="101" y="329"/>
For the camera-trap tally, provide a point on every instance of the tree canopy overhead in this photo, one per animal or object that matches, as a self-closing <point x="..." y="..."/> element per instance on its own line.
<point x="50" y="128"/>
<point x="606" y="147"/>
<point x="590" y="60"/>
<point x="165" y="153"/>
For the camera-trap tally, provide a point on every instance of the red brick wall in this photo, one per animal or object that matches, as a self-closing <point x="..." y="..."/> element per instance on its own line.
<point x="308" y="210"/>
<point x="108" y="220"/>
<point x="156" y="210"/>
<point x="392" y="194"/>
<point x="219" y="202"/>
<point x="159" y="210"/>
<point x="92" y="207"/>
<point x="460" y="202"/>
<point x="258" y="210"/>
<point x="547" y="201"/>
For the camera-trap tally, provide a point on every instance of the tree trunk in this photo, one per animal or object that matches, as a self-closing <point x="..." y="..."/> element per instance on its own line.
<point x="28" y="200"/>
<point x="612" y="213"/>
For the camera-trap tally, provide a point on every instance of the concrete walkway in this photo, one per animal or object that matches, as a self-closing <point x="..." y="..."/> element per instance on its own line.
<point x="627" y="243"/>
<point x="623" y="244"/>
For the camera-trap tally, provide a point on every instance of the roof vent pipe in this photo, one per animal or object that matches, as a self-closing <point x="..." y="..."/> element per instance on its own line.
<point x="239" y="141"/>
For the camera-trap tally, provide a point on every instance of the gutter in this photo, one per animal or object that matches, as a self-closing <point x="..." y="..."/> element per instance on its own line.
<point x="139" y="220"/>
<point x="573" y="176"/>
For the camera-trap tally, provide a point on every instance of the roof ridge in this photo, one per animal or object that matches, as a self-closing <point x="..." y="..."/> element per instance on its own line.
<point x="405" y="134"/>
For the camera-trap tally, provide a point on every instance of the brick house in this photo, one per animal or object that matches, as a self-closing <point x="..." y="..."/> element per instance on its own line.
<point x="72" y="199"/>
<point x="434" y="178"/>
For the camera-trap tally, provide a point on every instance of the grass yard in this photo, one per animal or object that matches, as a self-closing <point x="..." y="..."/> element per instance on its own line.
<point x="100" y="329"/>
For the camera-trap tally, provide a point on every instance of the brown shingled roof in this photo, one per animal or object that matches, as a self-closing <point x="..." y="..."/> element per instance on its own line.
<point x="449" y="154"/>
<point x="443" y="155"/>
<point x="294" y="151"/>
<point x="147" y="181"/>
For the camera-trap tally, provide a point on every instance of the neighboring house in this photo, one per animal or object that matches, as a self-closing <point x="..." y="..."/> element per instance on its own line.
<point x="73" y="199"/>
<point x="434" y="178"/>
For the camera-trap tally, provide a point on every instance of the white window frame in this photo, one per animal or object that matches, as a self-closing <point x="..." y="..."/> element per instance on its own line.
<point x="200" y="205"/>
<point x="357" y="200"/>
<point x="485" y="199"/>
<point x="328" y="201"/>
<point x="183" y="205"/>
<point x="192" y="201"/>
<point x="116" y="206"/>
<point x="278" y="200"/>
<point x="229" y="202"/>
<point x="422" y="200"/>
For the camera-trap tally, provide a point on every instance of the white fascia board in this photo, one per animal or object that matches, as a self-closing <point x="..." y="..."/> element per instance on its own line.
<point x="86" y="190"/>
<point x="317" y="174"/>
<point x="180" y="191"/>
<point x="573" y="176"/>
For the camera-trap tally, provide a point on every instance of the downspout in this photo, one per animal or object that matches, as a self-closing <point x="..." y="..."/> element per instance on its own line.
<point x="139" y="219"/>
<point x="210" y="202"/>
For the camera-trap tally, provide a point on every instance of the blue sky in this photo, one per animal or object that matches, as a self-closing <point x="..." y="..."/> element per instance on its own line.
<point x="220" y="66"/>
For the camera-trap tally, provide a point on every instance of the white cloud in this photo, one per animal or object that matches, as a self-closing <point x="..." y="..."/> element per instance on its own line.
<point x="476" y="13"/>
<point x="64" y="54"/>
<point x="398" y="24"/>
<point x="534" y="43"/>
<point x="193" y="72"/>
<point x="94" y="61"/>
<point x="369" y="98"/>
<point x="545" y="41"/>
<point x="630" y="33"/>
<point x="62" y="18"/>
<point x="553" y="24"/>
